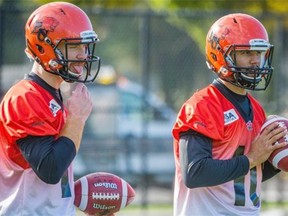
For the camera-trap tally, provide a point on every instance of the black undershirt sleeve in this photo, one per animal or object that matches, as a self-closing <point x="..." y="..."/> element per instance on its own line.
<point x="49" y="158"/>
<point x="269" y="171"/>
<point x="198" y="167"/>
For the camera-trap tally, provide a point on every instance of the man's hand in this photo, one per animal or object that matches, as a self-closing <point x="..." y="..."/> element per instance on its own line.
<point x="79" y="104"/>
<point x="263" y="144"/>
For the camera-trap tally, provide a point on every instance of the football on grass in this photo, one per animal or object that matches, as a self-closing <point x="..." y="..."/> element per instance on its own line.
<point x="103" y="193"/>
<point x="279" y="158"/>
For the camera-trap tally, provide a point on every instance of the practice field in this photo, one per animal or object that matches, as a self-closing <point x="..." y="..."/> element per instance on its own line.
<point x="167" y="211"/>
<point x="160" y="201"/>
<point x="139" y="211"/>
<point x="160" y="204"/>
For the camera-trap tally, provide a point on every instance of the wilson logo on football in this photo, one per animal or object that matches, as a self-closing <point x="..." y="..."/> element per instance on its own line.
<point x="106" y="185"/>
<point x="103" y="207"/>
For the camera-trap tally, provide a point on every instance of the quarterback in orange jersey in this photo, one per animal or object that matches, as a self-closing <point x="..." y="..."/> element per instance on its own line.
<point x="220" y="155"/>
<point x="39" y="135"/>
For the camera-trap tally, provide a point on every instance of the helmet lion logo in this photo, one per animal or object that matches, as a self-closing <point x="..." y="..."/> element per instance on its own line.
<point x="48" y="24"/>
<point x="225" y="33"/>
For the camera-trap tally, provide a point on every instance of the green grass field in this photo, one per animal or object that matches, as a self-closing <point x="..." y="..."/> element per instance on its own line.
<point x="151" y="210"/>
<point x="167" y="210"/>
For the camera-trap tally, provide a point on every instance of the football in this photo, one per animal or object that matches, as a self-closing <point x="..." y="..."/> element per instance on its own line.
<point x="279" y="158"/>
<point x="102" y="193"/>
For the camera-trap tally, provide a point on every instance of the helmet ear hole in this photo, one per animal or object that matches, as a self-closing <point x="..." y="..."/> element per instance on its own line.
<point x="40" y="48"/>
<point x="213" y="56"/>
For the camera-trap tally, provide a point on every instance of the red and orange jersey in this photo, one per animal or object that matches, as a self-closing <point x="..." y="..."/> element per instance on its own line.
<point x="31" y="108"/>
<point x="211" y="113"/>
<point x="28" y="109"/>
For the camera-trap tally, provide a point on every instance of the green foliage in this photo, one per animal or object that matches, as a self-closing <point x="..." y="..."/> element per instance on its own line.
<point x="108" y="4"/>
<point x="255" y="6"/>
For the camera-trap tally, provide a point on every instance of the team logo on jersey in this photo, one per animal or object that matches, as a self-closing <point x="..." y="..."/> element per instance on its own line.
<point x="249" y="126"/>
<point x="230" y="116"/>
<point x="54" y="107"/>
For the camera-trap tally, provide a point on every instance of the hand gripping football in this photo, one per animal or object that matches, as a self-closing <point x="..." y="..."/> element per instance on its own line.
<point x="103" y="193"/>
<point x="279" y="158"/>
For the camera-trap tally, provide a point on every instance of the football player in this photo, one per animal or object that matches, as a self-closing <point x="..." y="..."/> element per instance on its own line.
<point x="39" y="135"/>
<point x="220" y="155"/>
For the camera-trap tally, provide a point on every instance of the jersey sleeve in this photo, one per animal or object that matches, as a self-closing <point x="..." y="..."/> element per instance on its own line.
<point x="28" y="109"/>
<point x="204" y="116"/>
<point x="28" y="114"/>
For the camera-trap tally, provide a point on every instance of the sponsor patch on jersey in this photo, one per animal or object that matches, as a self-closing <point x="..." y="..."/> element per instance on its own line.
<point x="54" y="107"/>
<point x="230" y="116"/>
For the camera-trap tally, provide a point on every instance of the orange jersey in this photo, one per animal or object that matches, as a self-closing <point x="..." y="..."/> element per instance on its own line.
<point x="31" y="108"/>
<point x="210" y="113"/>
<point x="28" y="109"/>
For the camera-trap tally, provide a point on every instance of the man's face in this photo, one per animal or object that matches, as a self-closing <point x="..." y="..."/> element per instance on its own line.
<point x="75" y="52"/>
<point x="248" y="58"/>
